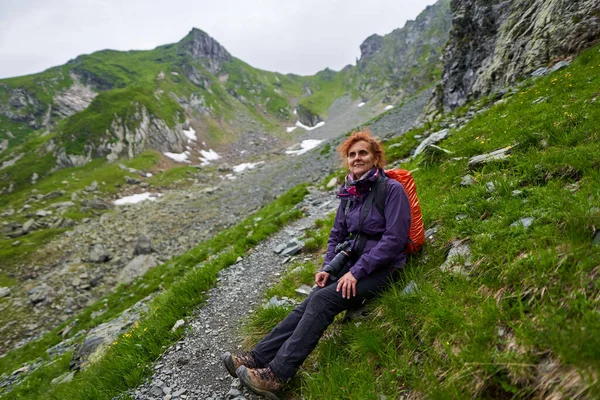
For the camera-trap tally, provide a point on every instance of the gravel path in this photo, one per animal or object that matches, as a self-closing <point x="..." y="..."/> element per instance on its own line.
<point x="191" y="369"/>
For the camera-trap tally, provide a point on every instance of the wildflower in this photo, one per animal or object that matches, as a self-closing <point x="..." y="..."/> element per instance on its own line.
<point x="483" y="141"/>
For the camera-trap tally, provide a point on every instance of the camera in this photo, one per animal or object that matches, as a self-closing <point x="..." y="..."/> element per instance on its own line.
<point x="344" y="251"/>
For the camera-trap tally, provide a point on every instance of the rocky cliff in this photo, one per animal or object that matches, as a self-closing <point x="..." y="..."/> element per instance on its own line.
<point x="406" y="60"/>
<point x="493" y="43"/>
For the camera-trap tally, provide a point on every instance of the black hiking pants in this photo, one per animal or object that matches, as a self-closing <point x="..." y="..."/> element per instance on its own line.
<point x="286" y="347"/>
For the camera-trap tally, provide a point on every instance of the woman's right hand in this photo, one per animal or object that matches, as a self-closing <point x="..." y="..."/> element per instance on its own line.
<point x="321" y="278"/>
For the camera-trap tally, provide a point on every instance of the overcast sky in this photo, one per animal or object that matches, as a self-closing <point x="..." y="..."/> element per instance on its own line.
<point x="301" y="36"/>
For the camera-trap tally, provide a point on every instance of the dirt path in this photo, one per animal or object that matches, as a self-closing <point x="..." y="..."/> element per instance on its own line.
<point x="191" y="368"/>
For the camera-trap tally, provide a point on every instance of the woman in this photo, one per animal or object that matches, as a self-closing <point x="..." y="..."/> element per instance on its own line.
<point x="373" y="252"/>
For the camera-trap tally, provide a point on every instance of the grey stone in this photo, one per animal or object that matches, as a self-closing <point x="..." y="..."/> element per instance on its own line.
<point x="98" y="254"/>
<point x="233" y="392"/>
<point x="177" y="325"/>
<point x="496" y="155"/>
<point x="64" y="378"/>
<point x="4" y="291"/>
<point x="332" y="183"/>
<point x="132" y="181"/>
<point x="467" y="180"/>
<point x="29" y="226"/>
<point x="458" y="259"/>
<point x="92" y="187"/>
<point x="410" y="288"/>
<point x="136" y="268"/>
<point x="64" y="204"/>
<point x="540" y="72"/>
<point x="460" y="217"/>
<point x="432" y="139"/>
<point x="304" y="290"/>
<point x="143" y="245"/>
<point x="490" y="187"/>
<point x="524" y="222"/>
<point x="559" y="65"/>
<point x="41" y="294"/>
<point x="597" y="239"/>
<point x="96" y="204"/>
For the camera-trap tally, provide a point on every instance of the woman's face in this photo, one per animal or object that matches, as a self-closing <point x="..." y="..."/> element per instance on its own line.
<point x="360" y="158"/>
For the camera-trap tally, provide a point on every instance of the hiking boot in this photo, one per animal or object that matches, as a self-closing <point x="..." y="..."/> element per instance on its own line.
<point x="233" y="361"/>
<point x="261" y="381"/>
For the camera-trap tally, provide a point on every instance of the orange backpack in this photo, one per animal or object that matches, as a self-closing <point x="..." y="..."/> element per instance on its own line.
<point x="416" y="234"/>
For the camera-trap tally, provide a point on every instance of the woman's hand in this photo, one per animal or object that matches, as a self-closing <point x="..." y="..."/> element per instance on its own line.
<point x="347" y="284"/>
<point x="321" y="278"/>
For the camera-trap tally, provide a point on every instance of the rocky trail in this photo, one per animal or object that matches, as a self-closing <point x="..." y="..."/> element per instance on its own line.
<point x="191" y="368"/>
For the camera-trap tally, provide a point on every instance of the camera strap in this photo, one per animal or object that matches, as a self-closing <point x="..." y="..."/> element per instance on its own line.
<point x="361" y="240"/>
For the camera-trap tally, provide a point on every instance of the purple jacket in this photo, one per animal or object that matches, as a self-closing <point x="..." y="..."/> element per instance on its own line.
<point x="394" y="228"/>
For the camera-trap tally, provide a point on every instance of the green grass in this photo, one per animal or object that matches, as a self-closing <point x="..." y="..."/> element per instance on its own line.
<point x="182" y="282"/>
<point x="524" y="322"/>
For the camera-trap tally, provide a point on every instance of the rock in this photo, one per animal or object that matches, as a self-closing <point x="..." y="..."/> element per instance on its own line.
<point x="29" y="226"/>
<point x="64" y="204"/>
<point x="16" y="243"/>
<point x="333" y="182"/>
<point x="410" y="288"/>
<point x="596" y="241"/>
<point x="96" y="204"/>
<point x="559" y="65"/>
<point x="459" y="258"/>
<point x="493" y="44"/>
<point x="432" y="139"/>
<point x="524" y="222"/>
<point x="98" y="254"/>
<point x="34" y="178"/>
<point x="460" y="217"/>
<point x="132" y="181"/>
<point x="136" y="268"/>
<point x="41" y="294"/>
<point x="92" y="187"/>
<point x="43" y="213"/>
<point x="53" y="195"/>
<point x="4" y="292"/>
<point x="143" y="245"/>
<point x="496" y="155"/>
<point x="178" y="325"/>
<point x="539" y="72"/>
<point x="304" y="290"/>
<point x="64" y="378"/>
<point x="101" y="337"/>
<point x="467" y="180"/>
<point x="490" y="187"/>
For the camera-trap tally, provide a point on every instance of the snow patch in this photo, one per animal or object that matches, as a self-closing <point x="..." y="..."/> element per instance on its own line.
<point x="241" y="167"/>
<point x="295" y="111"/>
<point x="136" y="198"/>
<point x="148" y="175"/>
<point x="290" y="129"/>
<point x="179" y="157"/>
<point x="305" y="146"/>
<point x="388" y="108"/>
<point x="361" y="104"/>
<point x="308" y="128"/>
<point x="191" y="134"/>
<point x="207" y="156"/>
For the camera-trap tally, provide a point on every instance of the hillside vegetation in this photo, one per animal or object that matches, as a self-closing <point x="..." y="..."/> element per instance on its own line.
<point x="517" y="315"/>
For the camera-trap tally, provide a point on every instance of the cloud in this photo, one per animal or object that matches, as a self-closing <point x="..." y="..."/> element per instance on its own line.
<point x="300" y="37"/>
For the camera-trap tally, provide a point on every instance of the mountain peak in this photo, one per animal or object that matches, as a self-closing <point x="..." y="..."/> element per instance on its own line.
<point x="201" y="46"/>
<point x="370" y="46"/>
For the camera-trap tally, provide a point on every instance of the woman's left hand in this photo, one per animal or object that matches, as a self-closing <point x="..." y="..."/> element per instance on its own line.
<point x="347" y="284"/>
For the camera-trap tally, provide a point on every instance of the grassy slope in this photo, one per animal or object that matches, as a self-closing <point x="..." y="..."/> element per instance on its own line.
<point x="180" y="285"/>
<point x="524" y="322"/>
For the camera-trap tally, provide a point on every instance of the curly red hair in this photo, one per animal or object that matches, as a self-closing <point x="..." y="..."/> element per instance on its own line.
<point x="365" y="136"/>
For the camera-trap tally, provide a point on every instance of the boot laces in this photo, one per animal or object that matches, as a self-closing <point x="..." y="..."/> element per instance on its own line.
<point x="267" y="374"/>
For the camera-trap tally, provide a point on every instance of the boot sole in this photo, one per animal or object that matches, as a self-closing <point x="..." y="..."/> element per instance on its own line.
<point x="243" y="375"/>
<point x="228" y="363"/>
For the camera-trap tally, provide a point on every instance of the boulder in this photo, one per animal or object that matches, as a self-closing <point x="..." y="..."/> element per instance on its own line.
<point x="92" y="187"/>
<point x="459" y="258"/>
<point x="98" y="254"/>
<point x="136" y="268"/>
<point x="496" y="155"/>
<point x="143" y="245"/>
<point x="467" y="180"/>
<point x="4" y="291"/>
<point x="96" y="204"/>
<point x="29" y="226"/>
<point x="432" y="139"/>
<point x="41" y="294"/>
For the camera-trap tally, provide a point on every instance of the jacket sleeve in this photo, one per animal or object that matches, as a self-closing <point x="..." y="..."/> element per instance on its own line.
<point x="394" y="238"/>
<point x="338" y="233"/>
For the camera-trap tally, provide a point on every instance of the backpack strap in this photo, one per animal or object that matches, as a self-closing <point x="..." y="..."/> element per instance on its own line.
<point x="380" y="194"/>
<point x="375" y="195"/>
